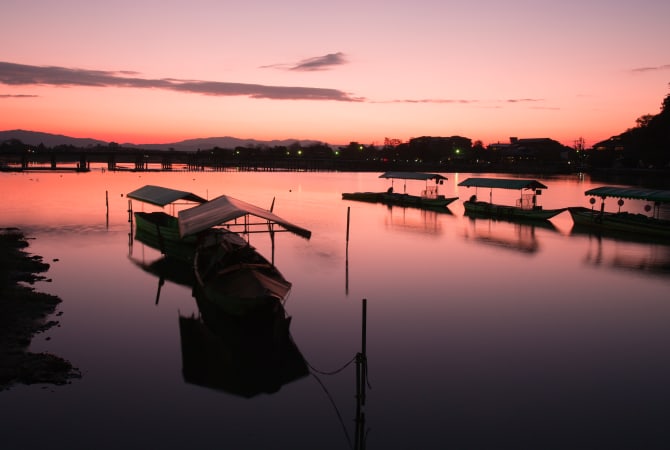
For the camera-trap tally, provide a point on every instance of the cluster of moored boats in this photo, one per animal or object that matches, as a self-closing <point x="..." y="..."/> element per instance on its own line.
<point x="228" y="270"/>
<point x="527" y="206"/>
<point x="240" y="342"/>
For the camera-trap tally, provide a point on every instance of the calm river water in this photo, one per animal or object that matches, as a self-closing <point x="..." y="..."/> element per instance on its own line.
<point x="480" y="334"/>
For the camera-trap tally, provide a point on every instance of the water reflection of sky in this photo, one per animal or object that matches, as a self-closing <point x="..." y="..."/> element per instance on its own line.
<point x="479" y="332"/>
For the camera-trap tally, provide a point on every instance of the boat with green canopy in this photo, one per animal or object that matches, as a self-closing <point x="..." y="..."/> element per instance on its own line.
<point x="650" y="224"/>
<point x="429" y="197"/>
<point x="160" y="229"/>
<point x="208" y="222"/>
<point x="527" y="205"/>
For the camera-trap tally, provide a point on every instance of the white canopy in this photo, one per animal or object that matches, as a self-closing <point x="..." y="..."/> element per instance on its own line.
<point x="224" y="209"/>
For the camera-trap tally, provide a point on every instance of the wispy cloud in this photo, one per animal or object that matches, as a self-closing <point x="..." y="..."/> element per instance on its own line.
<point x="312" y="64"/>
<point x="463" y="101"/>
<point x="651" y="69"/>
<point x="20" y="74"/>
<point x="524" y="100"/>
<point x="320" y="62"/>
<point x="428" y="100"/>
<point x="18" y="96"/>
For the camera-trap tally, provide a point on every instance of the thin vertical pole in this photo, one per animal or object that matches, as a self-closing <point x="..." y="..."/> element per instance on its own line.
<point x="130" y="221"/>
<point x="363" y="349"/>
<point x="348" y="218"/>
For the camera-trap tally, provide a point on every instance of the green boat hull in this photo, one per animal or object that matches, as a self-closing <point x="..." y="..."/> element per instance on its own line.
<point x="161" y="231"/>
<point x="509" y="212"/>
<point x="622" y="222"/>
<point x="400" y="199"/>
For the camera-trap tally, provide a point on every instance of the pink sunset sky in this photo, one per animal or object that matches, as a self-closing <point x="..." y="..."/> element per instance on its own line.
<point x="163" y="71"/>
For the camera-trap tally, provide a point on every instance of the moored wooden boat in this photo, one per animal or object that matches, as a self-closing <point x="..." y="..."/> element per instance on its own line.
<point x="622" y="221"/>
<point x="179" y="235"/>
<point x="238" y="279"/>
<point x="159" y="229"/>
<point x="428" y="198"/>
<point x="527" y="206"/>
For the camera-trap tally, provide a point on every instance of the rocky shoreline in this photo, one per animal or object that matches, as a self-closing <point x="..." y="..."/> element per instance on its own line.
<point x="24" y="313"/>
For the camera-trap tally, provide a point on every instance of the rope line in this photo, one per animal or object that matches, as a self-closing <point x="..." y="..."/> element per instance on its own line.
<point x="334" y="371"/>
<point x="337" y="411"/>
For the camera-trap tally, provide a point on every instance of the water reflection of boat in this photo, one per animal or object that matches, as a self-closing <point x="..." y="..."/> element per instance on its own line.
<point x="428" y="198"/>
<point x="424" y="220"/>
<point x="624" y="222"/>
<point x="167" y="268"/>
<point x="637" y="255"/>
<point x="522" y="237"/>
<point x="527" y="206"/>
<point x="245" y="356"/>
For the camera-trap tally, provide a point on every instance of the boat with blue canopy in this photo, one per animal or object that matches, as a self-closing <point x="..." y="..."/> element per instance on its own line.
<point x="650" y="224"/>
<point x="527" y="205"/>
<point x="429" y="197"/>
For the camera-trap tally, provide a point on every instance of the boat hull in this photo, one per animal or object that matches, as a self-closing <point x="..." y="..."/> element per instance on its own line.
<point x="240" y="281"/>
<point x="400" y="199"/>
<point x="620" y="222"/>
<point x="509" y="212"/>
<point x="161" y="231"/>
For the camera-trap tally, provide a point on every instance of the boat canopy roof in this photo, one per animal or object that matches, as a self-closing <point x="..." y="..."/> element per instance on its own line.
<point x="161" y="196"/>
<point x="632" y="193"/>
<point x="413" y="176"/>
<point x="224" y="209"/>
<point x="502" y="183"/>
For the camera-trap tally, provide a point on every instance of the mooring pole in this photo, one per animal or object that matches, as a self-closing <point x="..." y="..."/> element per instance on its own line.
<point x="130" y="221"/>
<point x="361" y="376"/>
<point x="364" y="358"/>
<point x="348" y="218"/>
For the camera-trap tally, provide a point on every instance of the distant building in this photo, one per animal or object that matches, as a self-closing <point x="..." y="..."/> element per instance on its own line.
<point x="530" y="149"/>
<point x="440" y="149"/>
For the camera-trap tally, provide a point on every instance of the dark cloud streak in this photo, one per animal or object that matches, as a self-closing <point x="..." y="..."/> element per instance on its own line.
<point x="18" y="96"/>
<point x="461" y="101"/>
<point x="652" y="69"/>
<point x="320" y="62"/>
<point x="312" y="64"/>
<point x="19" y="75"/>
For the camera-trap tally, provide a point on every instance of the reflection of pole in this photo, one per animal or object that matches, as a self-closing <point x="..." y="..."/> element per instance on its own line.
<point x="130" y="220"/>
<point x="161" y="282"/>
<point x="107" y="208"/>
<point x="363" y="348"/>
<point x="346" y="264"/>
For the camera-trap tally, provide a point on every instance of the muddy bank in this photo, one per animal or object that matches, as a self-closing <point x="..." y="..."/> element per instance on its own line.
<point x="24" y="313"/>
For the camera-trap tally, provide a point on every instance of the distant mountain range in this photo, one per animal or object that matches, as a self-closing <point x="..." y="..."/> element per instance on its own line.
<point x="53" y="140"/>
